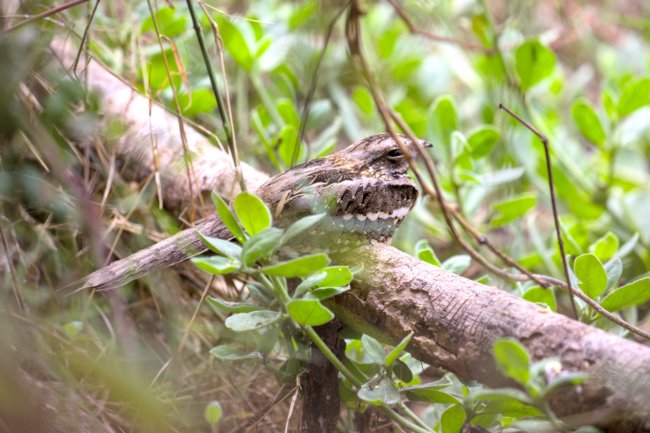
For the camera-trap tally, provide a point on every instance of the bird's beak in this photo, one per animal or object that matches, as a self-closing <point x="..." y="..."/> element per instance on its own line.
<point x="425" y="143"/>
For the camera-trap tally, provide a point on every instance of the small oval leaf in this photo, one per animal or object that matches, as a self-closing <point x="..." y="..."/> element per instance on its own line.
<point x="592" y="275"/>
<point x="309" y="312"/>
<point x="252" y="213"/>
<point x="242" y="322"/>
<point x="513" y="360"/>
<point x="298" y="267"/>
<point x="228" y="218"/>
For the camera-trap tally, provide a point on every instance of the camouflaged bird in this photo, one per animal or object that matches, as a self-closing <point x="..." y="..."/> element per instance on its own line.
<point x="364" y="190"/>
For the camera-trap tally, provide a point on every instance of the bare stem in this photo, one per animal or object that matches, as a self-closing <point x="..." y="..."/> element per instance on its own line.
<point x="551" y="187"/>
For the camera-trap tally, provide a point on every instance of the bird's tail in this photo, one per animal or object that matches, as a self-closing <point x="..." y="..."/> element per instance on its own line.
<point x="166" y="253"/>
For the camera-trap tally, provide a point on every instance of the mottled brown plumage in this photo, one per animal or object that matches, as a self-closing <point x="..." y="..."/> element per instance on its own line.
<point x="364" y="189"/>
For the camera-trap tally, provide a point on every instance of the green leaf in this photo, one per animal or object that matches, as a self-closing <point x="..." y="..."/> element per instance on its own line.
<point x="288" y="142"/>
<point x="217" y="265"/>
<point x="453" y="419"/>
<point x="374" y="349"/>
<point x="199" y="101"/>
<point x="156" y="71"/>
<point x="326" y="277"/>
<point x="323" y="293"/>
<point x="301" y="226"/>
<point x="401" y="371"/>
<point x="503" y="394"/>
<point x="309" y="312"/>
<point x="73" y="328"/>
<point x="232" y="307"/>
<point x="397" y="351"/>
<point x="298" y="267"/>
<point x="512" y="208"/>
<point x="533" y="62"/>
<point x="541" y="295"/>
<point x="261" y="245"/>
<point x="588" y="122"/>
<point x="288" y="112"/>
<point x="443" y="117"/>
<point x="252" y="213"/>
<point x="363" y="99"/>
<point x="635" y="293"/>
<point x="251" y="321"/>
<point x="592" y="275"/>
<point x="212" y="412"/>
<point x="227" y="352"/>
<point x="425" y="253"/>
<point x="605" y="247"/>
<point x="513" y="360"/>
<point x="430" y="393"/>
<point x="609" y="104"/>
<point x="220" y="246"/>
<point x="482" y="140"/>
<point x="460" y="153"/>
<point x="636" y="94"/>
<point x="614" y="269"/>
<point x="227" y="217"/>
<point x="236" y="44"/>
<point x="457" y="264"/>
<point x="384" y="391"/>
<point x="168" y="24"/>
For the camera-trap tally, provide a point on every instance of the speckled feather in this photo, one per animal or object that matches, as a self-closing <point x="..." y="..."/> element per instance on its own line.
<point x="364" y="189"/>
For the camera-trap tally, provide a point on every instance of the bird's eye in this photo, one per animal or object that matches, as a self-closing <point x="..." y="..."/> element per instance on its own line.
<point x="395" y="154"/>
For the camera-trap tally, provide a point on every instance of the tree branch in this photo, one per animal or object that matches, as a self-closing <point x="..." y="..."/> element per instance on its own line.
<point x="455" y="320"/>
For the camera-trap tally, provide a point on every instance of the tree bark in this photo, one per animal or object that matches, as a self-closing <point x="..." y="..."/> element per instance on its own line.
<point x="455" y="320"/>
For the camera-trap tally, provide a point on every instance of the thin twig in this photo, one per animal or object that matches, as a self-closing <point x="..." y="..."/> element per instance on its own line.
<point x="551" y="187"/>
<point x="181" y="126"/>
<point x="306" y="106"/>
<point x="46" y="14"/>
<point x="213" y="83"/>
<point x="218" y="42"/>
<point x="84" y="37"/>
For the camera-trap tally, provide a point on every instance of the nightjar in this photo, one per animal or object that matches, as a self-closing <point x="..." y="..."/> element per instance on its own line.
<point x="364" y="190"/>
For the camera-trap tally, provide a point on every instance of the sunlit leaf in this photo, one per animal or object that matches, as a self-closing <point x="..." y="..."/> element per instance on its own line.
<point x="217" y="265"/>
<point x="220" y="246"/>
<point x="261" y="245"/>
<point x="251" y="321"/>
<point x="298" y="267"/>
<point x="588" y="122"/>
<point x="635" y="293"/>
<point x="212" y="412"/>
<point x="591" y="273"/>
<point x="252" y="213"/>
<point x="512" y="359"/>
<point x="541" y="295"/>
<point x="398" y="350"/>
<point x="227" y="217"/>
<point x="482" y="140"/>
<point x="453" y="419"/>
<point x="424" y="252"/>
<point x="533" y="62"/>
<point x="309" y="312"/>
<point x="512" y="208"/>
<point x="636" y="94"/>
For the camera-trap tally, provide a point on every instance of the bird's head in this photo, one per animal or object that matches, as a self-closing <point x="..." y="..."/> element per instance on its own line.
<point x="382" y="154"/>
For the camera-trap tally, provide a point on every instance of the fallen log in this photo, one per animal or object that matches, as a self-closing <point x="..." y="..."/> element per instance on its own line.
<point x="455" y="320"/>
